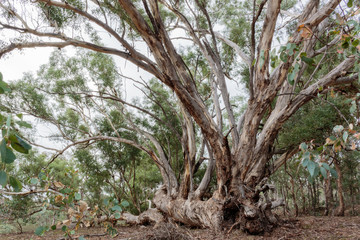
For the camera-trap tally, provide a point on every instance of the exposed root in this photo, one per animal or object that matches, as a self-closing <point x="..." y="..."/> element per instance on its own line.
<point x="150" y="216"/>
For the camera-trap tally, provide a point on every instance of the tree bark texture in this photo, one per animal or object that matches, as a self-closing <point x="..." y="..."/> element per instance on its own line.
<point x="340" y="211"/>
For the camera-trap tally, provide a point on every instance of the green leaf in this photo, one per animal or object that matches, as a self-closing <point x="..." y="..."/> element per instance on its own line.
<point x="40" y="230"/>
<point x="310" y="179"/>
<point x="345" y="136"/>
<point x="345" y="45"/>
<point x="3" y="178"/>
<point x="284" y="57"/>
<point x="332" y="138"/>
<point x="326" y="166"/>
<point x="350" y="3"/>
<point x="317" y="170"/>
<point x="338" y="128"/>
<point x="77" y="196"/>
<point x="53" y="227"/>
<point x="34" y="181"/>
<point x="7" y="155"/>
<point x="18" y="144"/>
<point x="1" y="76"/>
<point x="307" y="60"/>
<point x="82" y="238"/>
<point x="356" y="42"/>
<point x="4" y="87"/>
<point x="333" y="173"/>
<point x="125" y="203"/>
<point x="72" y="232"/>
<point x="291" y="78"/>
<point x="305" y="162"/>
<point x="303" y="146"/>
<point x="290" y="47"/>
<point x="311" y="168"/>
<point x="106" y="202"/>
<point x="116" y="208"/>
<point x="42" y="175"/>
<point x="323" y="172"/>
<point x="24" y="124"/>
<point x="117" y="215"/>
<point x="64" y="228"/>
<point x="273" y="64"/>
<point x="16" y="184"/>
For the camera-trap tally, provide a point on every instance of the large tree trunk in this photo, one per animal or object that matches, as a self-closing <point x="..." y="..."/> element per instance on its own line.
<point x="219" y="212"/>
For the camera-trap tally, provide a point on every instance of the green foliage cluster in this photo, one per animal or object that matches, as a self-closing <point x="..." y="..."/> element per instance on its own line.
<point x="10" y="141"/>
<point x="314" y="122"/>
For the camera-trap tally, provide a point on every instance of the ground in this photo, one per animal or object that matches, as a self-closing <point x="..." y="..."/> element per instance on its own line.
<point x="307" y="227"/>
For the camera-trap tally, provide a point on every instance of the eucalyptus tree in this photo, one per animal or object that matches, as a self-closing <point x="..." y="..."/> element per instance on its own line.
<point x="154" y="35"/>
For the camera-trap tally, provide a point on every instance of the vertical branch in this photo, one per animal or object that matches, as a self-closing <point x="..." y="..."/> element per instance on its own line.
<point x="215" y="97"/>
<point x="205" y="181"/>
<point x="189" y="145"/>
<point x="253" y="45"/>
<point x="218" y="71"/>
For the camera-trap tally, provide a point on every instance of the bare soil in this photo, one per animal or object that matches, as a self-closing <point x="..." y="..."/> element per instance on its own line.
<point x="307" y="227"/>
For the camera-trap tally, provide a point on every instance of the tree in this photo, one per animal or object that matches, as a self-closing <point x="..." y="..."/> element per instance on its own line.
<point x="240" y="150"/>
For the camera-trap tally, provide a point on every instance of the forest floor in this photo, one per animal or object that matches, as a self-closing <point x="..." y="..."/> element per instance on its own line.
<point x="306" y="227"/>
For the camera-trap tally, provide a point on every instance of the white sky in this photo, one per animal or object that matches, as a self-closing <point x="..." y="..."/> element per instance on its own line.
<point x="14" y="64"/>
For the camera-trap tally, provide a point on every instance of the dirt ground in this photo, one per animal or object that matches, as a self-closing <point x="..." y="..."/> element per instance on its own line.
<point x="296" y="228"/>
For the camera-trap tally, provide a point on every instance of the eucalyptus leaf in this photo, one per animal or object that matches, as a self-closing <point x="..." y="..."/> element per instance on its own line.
<point x="116" y="208"/>
<point x="333" y="173"/>
<point x="19" y="144"/>
<point x="338" y="128"/>
<point x="326" y="166"/>
<point x="15" y="183"/>
<point x="77" y="196"/>
<point x="117" y="215"/>
<point x="125" y="203"/>
<point x="303" y="146"/>
<point x="311" y="168"/>
<point x="7" y="155"/>
<point x="34" y="181"/>
<point x="39" y="231"/>
<point x="3" y="178"/>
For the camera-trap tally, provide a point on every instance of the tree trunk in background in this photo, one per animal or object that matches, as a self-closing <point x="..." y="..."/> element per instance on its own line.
<point x="340" y="211"/>
<point x="303" y="198"/>
<point x="293" y="194"/>
<point x="328" y="194"/>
